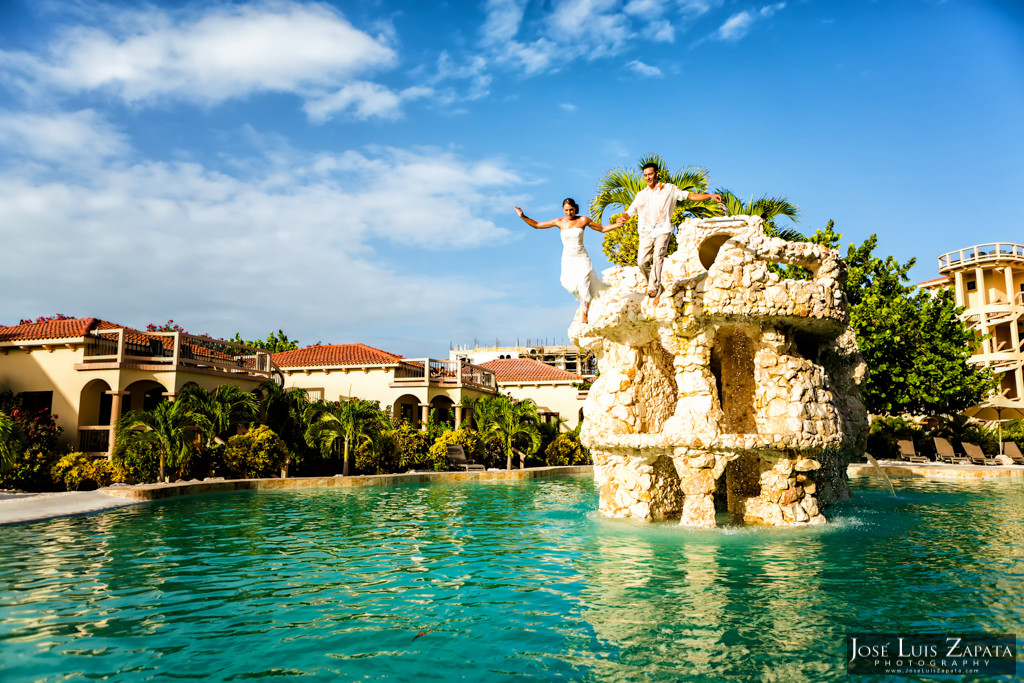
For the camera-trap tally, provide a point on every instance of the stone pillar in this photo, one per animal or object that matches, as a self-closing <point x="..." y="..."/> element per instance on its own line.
<point x="115" y="413"/>
<point x="697" y="481"/>
<point x="958" y="288"/>
<point x="424" y="416"/>
<point x="458" y="415"/>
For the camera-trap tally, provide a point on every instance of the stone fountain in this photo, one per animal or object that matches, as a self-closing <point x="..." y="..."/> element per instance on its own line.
<point x="736" y="387"/>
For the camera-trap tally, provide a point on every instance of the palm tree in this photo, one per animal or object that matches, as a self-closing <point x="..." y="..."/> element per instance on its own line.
<point x="619" y="186"/>
<point x="170" y="425"/>
<point x="353" y="422"/>
<point x="224" y="408"/>
<point x="768" y="208"/>
<point x="550" y="430"/>
<point x="10" y="440"/>
<point x="509" y="420"/>
<point x="479" y="409"/>
<point x="284" y="412"/>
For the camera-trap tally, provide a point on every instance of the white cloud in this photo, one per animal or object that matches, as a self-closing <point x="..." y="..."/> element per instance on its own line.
<point x="648" y="9"/>
<point x="572" y="29"/>
<point x="567" y="106"/>
<point x="62" y="137"/>
<point x="229" y="52"/>
<point x="642" y="69"/>
<point x="472" y="70"/>
<point x="661" y="31"/>
<point x="362" y="100"/>
<point x="738" y="25"/>
<point x="291" y="239"/>
<point x="503" y="20"/>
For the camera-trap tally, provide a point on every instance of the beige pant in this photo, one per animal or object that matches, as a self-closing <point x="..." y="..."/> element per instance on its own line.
<point x="652" y="248"/>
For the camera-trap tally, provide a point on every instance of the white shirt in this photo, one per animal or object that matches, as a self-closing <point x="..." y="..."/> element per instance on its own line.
<point x="655" y="208"/>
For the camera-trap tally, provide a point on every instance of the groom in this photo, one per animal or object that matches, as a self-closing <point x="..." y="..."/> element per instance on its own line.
<point x="655" y="204"/>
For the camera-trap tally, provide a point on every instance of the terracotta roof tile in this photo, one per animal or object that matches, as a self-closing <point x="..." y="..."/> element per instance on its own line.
<point x="51" y="329"/>
<point x="528" y="370"/>
<point x="334" y="355"/>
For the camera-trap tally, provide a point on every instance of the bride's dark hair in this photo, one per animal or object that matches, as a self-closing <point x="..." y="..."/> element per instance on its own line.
<point x="571" y="202"/>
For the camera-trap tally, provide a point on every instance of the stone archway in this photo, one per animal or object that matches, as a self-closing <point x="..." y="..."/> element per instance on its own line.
<point x="143" y="394"/>
<point x="443" y="409"/>
<point x="95" y="410"/>
<point x="407" y="409"/>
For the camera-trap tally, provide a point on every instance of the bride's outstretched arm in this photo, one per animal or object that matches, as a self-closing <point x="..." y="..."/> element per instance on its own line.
<point x="534" y="224"/>
<point x="601" y="228"/>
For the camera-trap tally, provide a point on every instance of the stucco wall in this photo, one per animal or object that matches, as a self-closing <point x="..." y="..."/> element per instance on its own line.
<point x="558" y="397"/>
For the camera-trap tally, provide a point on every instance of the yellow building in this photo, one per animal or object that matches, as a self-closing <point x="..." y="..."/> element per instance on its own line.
<point x="88" y="372"/>
<point x="556" y="392"/>
<point x="410" y="388"/>
<point x="988" y="280"/>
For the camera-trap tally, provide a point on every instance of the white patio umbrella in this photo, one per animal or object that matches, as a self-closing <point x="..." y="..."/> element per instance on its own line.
<point x="1000" y="410"/>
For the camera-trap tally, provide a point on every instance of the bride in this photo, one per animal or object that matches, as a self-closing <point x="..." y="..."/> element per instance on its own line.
<point x="578" y="274"/>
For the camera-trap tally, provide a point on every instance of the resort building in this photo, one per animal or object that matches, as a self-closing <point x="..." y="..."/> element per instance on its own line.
<point x="565" y="357"/>
<point x="557" y="392"/>
<point x="88" y="372"/>
<point x="988" y="280"/>
<point x="410" y="388"/>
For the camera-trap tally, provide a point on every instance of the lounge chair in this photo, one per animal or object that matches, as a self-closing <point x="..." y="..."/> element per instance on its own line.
<point x="1012" y="451"/>
<point x="457" y="458"/>
<point x="977" y="455"/>
<point x="944" y="452"/>
<point x="908" y="453"/>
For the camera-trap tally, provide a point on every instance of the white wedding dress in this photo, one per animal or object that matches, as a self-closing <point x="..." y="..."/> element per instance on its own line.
<point x="578" y="274"/>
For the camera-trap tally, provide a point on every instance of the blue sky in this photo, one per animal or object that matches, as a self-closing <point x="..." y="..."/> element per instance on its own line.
<point x="346" y="171"/>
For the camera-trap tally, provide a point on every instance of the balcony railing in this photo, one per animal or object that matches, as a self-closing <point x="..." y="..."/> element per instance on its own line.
<point x="176" y="350"/>
<point x="94" y="439"/>
<point x="980" y="254"/>
<point x="444" y="373"/>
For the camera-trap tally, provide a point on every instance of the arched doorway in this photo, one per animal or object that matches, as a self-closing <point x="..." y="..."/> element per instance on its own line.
<point x="407" y="409"/>
<point x="94" y="413"/>
<point x="144" y="394"/>
<point x="443" y="409"/>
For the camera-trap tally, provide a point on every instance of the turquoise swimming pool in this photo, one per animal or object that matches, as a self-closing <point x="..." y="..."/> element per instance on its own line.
<point x="495" y="581"/>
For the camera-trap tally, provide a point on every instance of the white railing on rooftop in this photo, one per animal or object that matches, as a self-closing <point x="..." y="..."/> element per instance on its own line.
<point x="176" y="349"/>
<point x="445" y="373"/>
<point x="981" y="253"/>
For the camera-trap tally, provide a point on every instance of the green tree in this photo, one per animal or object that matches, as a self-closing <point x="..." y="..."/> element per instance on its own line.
<point x="284" y="411"/>
<point x="512" y="422"/>
<point x="915" y="346"/>
<point x="171" y="426"/>
<point x="352" y="422"/>
<point x="224" y="408"/>
<point x="274" y="343"/>
<point x="255" y="453"/>
<point x="618" y="188"/>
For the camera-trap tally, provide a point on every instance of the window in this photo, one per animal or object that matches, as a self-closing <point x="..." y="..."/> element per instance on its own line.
<point x="971" y="285"/>
<point x="36" y="401"/>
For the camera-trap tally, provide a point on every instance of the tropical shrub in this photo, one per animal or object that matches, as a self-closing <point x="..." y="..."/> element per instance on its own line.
<point x="469" y="439"/>
<point x="255" y="454"/>
<point x="886" y="431"/>
<point x="81" y="472"/>
<point x="566" y="449"/>
<point x="136" y="461"/>
<point x="408" y="447"/>
<point x="493" y="452"/>
<point x="32" y="438"/>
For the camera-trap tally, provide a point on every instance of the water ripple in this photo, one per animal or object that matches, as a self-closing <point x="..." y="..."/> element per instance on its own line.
<point x="494" y="581"/>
